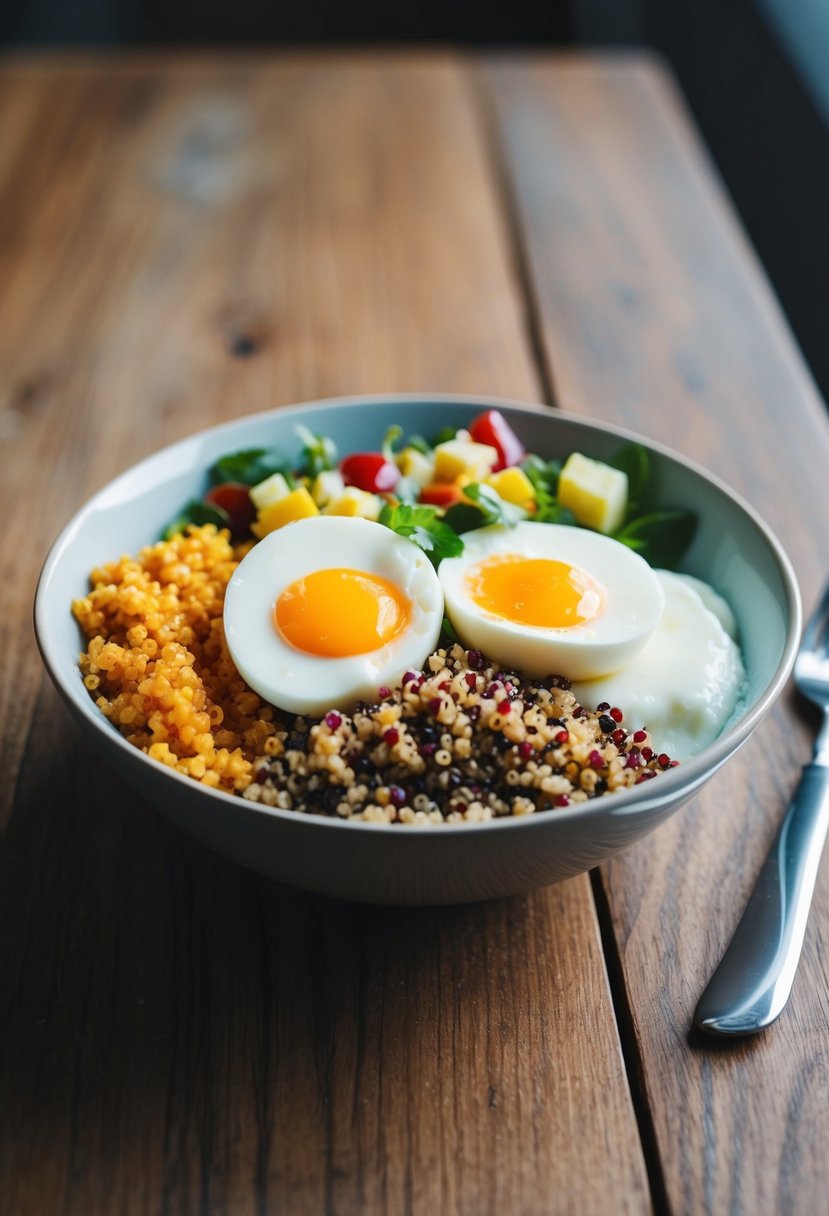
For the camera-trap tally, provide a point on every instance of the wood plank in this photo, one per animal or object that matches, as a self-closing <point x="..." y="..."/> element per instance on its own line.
<point x="183" y="241"/>
<point x="654" y="313"/>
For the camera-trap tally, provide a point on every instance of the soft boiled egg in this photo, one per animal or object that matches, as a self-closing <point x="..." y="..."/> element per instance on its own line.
<point x="323" y="612"/>
<point x="687" y="681"/>
<point x="545" y="599"/>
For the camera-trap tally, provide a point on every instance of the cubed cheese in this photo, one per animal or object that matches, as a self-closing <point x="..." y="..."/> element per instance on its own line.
<point x="355" y="502"/>
<point x="417" y="466"/>
<point x="462" y="458"/>
<point x="270" y="490"/>
<point x="596" y="493"/>
<point x="514" y="486"/>
<point x="297" y="504"/>
<point x="328" y="485"/>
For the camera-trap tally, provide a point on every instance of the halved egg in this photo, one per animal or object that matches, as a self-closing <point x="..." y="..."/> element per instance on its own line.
<point x="323" y="612"/>
<point x="548" y="599"/>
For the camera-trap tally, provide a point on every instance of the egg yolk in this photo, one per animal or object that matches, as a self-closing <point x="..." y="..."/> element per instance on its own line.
<point x="339" y="612"/>
<point x="535" y="591"/>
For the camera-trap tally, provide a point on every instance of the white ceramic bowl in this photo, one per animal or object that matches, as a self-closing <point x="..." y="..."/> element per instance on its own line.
<point x="733" y="550"/>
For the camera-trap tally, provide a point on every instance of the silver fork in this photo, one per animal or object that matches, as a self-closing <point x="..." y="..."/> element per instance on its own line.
<point x="750" y="987"/>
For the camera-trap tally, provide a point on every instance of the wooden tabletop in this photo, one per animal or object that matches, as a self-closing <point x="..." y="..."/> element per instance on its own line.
<point x="191" y="238"/>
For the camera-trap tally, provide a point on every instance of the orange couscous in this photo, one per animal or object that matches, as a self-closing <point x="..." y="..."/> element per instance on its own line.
<point x="157" y="663"/>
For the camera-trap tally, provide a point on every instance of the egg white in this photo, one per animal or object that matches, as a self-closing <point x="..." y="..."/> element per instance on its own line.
<point x="634" y="602"/>
<point x="305" y="683"/>
<point x="687" y="682"/>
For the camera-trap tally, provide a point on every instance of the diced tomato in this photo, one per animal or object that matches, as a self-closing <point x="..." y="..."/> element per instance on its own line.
<point x="234" y="498"/>
<point x="441" y="494"/>
<point x="493" y="428"/>
<point x="370" y="471"/>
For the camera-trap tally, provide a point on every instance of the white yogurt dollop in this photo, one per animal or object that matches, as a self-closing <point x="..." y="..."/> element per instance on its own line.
<point x="685" y="685"/>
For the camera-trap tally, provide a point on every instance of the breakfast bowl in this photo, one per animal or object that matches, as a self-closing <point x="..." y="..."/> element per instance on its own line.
<point x="732" y="550"/>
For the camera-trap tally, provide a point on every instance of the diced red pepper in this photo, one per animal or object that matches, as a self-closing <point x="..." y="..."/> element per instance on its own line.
<point x="370" y="471"/>
<point x="441" y="494"/>
<point x="492" y="428"/>
<point x="234" y="498"/>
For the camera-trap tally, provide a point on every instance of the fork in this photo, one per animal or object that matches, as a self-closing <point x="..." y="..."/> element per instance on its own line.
<point x="749" y="989"/>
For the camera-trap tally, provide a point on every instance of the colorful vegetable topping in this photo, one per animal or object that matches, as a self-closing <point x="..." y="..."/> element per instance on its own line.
<point x="370" y="471"/>
<point x="493" y="429"/>
<point x="435" y="492"/>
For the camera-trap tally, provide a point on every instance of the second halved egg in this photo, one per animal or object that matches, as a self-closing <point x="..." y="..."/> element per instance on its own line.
<point x="547" y="599"/>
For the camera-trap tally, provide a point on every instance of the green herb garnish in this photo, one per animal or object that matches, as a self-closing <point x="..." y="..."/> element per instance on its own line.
<point x="421" y="525"/>
<point x="319" y="453"/>
<point x="494" y="508"/>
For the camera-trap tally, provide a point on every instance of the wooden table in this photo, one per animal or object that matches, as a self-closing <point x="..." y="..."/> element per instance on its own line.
<point x="187" y="239"/>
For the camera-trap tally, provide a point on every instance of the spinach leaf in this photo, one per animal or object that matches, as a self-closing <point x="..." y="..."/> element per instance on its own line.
<point x="633" y="460"/>
<point x="249" y="466"/>
<point x="661" y="537"/>
<point x="196" y="512"/>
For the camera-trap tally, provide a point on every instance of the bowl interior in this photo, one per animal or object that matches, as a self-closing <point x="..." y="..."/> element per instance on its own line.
<point x="732" y="550"/>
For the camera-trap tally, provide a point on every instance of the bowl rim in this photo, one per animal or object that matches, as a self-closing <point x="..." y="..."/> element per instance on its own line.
<point x="689" y="775"/>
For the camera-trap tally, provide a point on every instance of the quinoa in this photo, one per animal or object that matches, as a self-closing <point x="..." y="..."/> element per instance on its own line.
<point x="459" y="741"/>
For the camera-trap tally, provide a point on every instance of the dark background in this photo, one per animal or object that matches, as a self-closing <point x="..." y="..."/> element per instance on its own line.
<point x="755" y="73"/>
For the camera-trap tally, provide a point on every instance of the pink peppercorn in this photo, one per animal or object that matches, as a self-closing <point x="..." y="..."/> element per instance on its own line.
<point x="475" y="659"/>
<point x="561" y="736"/>
<point x="645" y="776"/>
<point x="397" y="796"/>
<point x="616" y="714"/>
<point x="619" y="737"/>
<point x="503" y="707"/>
<point x="633" y="760"/>
<point x="411" y="677"/>
<point x="561" y="800"/>
<point x="333" y="720"/>
<point x="647" y="753"/>
<point x="639" y="736"/>
<point x="445" y="686"/>
<point x="525" y="750"/>
<point x="664" y="760"/>
<point x="391" y="736"/>
<point x="383" y="692"/>
<point x="596" y="759"/>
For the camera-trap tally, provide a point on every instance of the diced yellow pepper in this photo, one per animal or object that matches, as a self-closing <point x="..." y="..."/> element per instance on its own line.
<point x="355" y="502"/>
<point x="596" y="493"/>
<point x="462" y="458"/>
<point x="514" y="486"/>
<point x="298" y="504"/>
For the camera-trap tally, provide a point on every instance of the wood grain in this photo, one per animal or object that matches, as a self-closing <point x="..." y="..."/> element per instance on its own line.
<point x="185" y="240"/>
<point x="653" y="312"/>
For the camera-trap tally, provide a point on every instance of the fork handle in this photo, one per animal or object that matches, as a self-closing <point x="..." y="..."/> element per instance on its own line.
<point x="752" y="983"/>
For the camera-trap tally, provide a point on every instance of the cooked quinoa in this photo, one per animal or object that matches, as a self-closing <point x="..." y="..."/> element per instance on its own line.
<point x="459" y="741"/>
